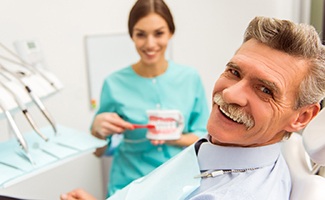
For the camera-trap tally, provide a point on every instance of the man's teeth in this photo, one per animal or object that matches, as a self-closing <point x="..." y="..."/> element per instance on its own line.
<point x="236" y="119"/>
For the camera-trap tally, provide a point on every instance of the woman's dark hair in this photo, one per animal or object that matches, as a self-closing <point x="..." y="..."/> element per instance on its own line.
<point x="144" y="7"/>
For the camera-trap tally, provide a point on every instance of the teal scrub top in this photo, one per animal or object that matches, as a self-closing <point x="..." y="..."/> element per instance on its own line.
<point x="130" y="95"/>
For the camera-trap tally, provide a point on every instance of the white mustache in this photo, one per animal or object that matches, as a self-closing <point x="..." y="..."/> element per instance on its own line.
<point x="234" y="112"/>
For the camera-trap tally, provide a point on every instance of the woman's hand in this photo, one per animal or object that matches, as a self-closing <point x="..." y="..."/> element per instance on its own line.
<point x="77" y="194"/>
<point x="106" y="124"/>
<point x="184" y="141"/>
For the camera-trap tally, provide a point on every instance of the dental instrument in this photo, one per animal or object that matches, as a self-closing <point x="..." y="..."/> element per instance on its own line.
<point x="30" y="67"/>
<point x="23" y="108"/>
<point x="21" y="140"/>
<point x="34" y="97"/>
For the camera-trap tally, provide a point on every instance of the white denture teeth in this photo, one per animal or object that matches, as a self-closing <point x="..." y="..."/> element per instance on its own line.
<point x="164" y="126"/>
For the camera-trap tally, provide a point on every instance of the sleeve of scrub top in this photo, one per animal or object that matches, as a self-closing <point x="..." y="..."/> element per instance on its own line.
<point x="106" y="105"/>
<point x="200" y="112"/>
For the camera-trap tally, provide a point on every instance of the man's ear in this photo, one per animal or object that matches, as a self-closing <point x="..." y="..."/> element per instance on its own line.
<point x="303" y="117"/>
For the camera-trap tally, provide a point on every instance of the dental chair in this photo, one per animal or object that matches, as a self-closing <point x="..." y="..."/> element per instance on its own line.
<point x="305" y="155"/>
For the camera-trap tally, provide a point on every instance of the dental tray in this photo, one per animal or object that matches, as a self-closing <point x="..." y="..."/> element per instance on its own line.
<point x="60" y="148"/>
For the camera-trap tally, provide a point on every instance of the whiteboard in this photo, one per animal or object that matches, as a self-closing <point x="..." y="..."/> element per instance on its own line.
<point x="106" y="54"/>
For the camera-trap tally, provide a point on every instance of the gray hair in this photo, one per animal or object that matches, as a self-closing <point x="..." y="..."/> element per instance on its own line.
<point x="299" y="40"/>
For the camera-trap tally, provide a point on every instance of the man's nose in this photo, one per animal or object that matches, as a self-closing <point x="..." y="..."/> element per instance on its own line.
<point x="237" y="93"/>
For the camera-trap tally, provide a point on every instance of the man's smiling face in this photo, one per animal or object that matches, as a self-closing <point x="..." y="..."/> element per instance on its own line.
<point x="254" y="98"/>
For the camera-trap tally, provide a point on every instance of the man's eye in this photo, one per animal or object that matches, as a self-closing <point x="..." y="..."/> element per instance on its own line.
<point x="266" y="90"/>
<point x="234" y="72"/>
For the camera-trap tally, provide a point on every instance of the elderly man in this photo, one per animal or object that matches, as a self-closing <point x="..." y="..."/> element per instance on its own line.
<point x="270" y="88"/>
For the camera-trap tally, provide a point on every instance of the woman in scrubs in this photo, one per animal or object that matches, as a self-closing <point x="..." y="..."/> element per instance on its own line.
<point x="152" y="83"/>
